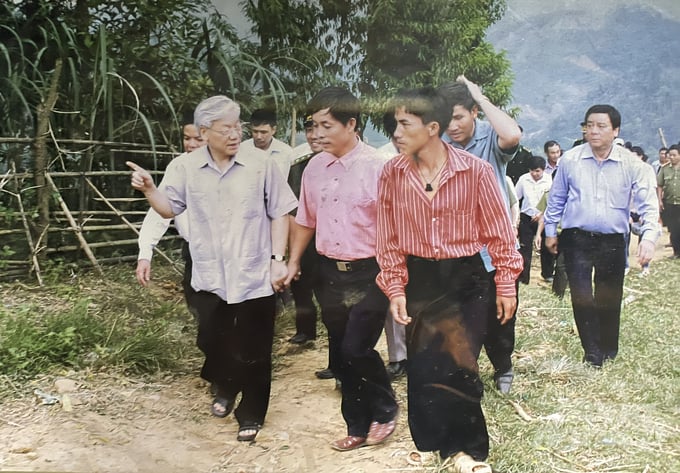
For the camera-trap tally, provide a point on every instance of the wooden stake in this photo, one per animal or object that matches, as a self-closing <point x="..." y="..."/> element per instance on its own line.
<point x="663" y="138"/>
<point x="79" y="234"/>
<point x="29" y="237"/>
<point x="127" y="222"/>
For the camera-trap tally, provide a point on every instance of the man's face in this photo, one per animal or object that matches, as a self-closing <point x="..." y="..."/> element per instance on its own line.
<point x="599" y="131"/>
<point x="674" y="157"/>
<point x="311" y="141"/>
<point x="334" y="137"/>
<point x="224" y="136"/>
<point x="663" y="156"/>
<point x="191" y="138"/>
<point x="554" y="153"/>
<point x="462" y="125"/>
<point x="536" y="174"/>
<point x="262" y="135"/>
<point x="411" y="133"/>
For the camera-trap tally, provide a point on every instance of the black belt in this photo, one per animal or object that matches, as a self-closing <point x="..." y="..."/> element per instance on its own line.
<point x="586" y="233"/>
<point x="354" y="265"/>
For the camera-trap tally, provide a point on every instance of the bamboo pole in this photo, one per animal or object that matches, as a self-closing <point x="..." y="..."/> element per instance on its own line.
<point x="663" y="138"/>
<point x="127" y="222"/>
<point x="29" y="237"/>
<point x="74" y="225"/>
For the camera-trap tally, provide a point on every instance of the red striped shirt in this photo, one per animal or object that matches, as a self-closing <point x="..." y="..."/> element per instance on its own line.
<point x="466" y="213"/>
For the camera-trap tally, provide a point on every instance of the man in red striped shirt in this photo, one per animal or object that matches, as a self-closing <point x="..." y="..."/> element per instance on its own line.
<point x="438" y="206"/>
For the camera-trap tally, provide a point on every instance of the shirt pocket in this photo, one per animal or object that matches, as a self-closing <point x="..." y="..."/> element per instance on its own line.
<point x="618" y="189"/>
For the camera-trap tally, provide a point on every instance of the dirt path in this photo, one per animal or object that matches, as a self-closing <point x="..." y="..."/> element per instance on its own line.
<point x="123" y="425"/>
<point x="119" y="425"/>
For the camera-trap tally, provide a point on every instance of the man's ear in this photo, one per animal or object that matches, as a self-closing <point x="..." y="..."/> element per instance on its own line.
<point x="475" y="111"/>
<point x="352" y="123"/>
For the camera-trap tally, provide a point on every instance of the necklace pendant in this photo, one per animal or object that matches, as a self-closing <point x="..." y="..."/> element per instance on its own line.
<point x="428" y="187"/>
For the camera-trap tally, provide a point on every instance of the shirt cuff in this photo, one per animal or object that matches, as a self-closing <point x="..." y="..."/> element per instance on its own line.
<point x="505" y="288"/>
<point x="146" y="253"/>
<point x="550" y="229"/>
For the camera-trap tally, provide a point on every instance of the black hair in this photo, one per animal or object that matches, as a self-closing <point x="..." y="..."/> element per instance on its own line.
<point x="536" y="162"/>
<point x="187" y="118"/>
<point x="263" y="116"/>
<point x="426" y="103"/>
<point x="341" y="104"/>
<point x="675" y="147"/>
<point x="457" y="93"/>
<point x="389" y="123"/>
<point x="550" y="144"/>
<point x="614" y="115"/>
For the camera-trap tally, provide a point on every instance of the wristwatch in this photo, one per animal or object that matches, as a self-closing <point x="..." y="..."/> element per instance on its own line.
<point x="278" y="258"/>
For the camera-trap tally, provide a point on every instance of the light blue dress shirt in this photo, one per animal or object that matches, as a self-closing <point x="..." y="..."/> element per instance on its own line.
<point x="229" y="224"/>
<point x="596" y="196"/>
<point x="484" y="145"/>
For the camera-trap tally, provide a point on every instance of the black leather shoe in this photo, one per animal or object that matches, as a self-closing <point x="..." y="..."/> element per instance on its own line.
<point x="324" y="374"/>
<point x="396" y="369"/>
<point x="504" y="381"/>
<point x="300" y="338"/>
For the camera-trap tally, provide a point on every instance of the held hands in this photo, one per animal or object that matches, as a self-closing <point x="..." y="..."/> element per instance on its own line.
<point x="279" y="273"/>
<point x="398" y="310"/>
<point x="293" y="272"/>
<point x="141" y="179"/>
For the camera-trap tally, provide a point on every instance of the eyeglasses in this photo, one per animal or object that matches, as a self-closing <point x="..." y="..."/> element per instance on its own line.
<point x="229" y="130"/>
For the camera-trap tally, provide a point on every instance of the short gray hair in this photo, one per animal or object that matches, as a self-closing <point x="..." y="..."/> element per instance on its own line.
<point x="215" y="108"/>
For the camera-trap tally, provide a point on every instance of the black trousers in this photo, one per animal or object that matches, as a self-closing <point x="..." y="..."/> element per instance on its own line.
<point x="499" y="342"/>
<point x="672" y="221"/>
<point x="526" y="234"/>
<point x="595" y="265"/>
<point x="353" y="310"/>
<point x="237" y="342"/>
<point x="548" y="260"/>
<point x="448" y="301"/>
<point x="189" y="292"/>
<point x="304" y="290"/>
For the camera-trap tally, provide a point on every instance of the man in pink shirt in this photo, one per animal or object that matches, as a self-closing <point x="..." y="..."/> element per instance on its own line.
<point x="438" y="206"/>
<point x="338" y="205"/>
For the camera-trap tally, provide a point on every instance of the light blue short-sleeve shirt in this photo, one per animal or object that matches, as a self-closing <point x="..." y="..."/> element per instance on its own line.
<point x="229" y="224"/>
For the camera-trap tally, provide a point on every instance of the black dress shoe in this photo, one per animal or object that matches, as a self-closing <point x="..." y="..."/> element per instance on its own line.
<point x="324" y="374"/>
<point x="300" y="338"/>
<point x="396" y="369"/>
<point x="504" y="381"/>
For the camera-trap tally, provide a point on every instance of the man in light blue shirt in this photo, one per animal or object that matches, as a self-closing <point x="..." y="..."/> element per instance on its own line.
<point x="237" y="203"/>
<point x="496" y="141"/>
<point x="591" y="197"/>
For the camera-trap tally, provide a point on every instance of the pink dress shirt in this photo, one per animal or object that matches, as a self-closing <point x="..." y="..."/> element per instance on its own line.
<point x="338" y="198"/>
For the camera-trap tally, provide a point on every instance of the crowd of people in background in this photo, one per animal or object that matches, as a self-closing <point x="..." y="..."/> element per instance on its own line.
<point x="427" y="239"/>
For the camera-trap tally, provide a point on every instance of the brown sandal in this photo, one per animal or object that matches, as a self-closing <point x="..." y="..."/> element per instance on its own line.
<point x="348" y="443"/>
<point x="378" y="432"/>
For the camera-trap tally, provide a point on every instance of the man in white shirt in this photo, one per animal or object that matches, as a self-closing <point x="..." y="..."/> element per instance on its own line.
<point x="530" y="188"/>
<point x="154" y="226"/>
<point x="262" y="130"/>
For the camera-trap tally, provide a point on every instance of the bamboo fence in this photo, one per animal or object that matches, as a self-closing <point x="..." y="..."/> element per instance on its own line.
<point x="95" y="215"/>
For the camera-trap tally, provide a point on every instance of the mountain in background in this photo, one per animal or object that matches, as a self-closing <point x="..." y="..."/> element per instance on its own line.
<point x="566" y="58"/>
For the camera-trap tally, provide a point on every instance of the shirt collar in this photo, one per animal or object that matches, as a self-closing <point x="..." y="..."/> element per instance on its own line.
<point x="345" y="160"/>
<point x="616" y="154"/>
<point x="201" y="158"/>
<point x="481" y="132"/>
<point x="455" y="163"/>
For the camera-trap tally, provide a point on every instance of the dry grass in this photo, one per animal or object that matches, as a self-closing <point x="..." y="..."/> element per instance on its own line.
<point x="560" y="417"/>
